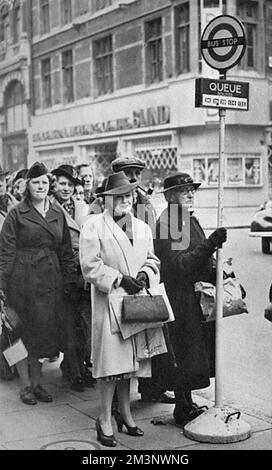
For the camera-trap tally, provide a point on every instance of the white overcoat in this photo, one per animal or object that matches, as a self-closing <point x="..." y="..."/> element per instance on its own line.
<point x="105" y="252"/>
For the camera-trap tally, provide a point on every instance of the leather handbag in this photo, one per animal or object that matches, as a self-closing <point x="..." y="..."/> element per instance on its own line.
<point x="144" y="309"/>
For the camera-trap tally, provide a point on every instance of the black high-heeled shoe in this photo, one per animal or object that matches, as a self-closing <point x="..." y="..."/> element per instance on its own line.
<point x="132" y="430"/>
<point x="105" y="440"/>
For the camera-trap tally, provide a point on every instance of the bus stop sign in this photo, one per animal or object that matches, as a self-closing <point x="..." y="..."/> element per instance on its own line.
<point x="223" y="42"/>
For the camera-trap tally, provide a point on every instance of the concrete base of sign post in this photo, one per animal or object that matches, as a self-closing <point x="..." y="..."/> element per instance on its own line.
<point x="218" y="425"/>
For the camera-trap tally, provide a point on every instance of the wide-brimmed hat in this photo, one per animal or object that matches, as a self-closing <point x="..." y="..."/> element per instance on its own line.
<point x="69" y="172"/>
<point x="99" y="190"/>
<point x="36" y="170"/>
<point x="121" y="163"/>
<point x="118" y="183"/>
<point x="179" y="180"/>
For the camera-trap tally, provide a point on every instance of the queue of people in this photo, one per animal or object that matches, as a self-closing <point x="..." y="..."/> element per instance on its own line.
<point x="66" y="250"/>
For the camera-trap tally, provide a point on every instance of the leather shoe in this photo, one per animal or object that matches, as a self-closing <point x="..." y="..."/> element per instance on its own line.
<point x="27" y="396"/>
<point x="42" y="395"/>
<point x="88" y="379"/>
<point x="186" y="416"/>
<point x="78" y="384"/>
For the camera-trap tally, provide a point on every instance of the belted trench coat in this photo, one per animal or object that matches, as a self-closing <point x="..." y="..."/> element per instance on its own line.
<point x="105" y="252"/>
<point x="35" y="260"/>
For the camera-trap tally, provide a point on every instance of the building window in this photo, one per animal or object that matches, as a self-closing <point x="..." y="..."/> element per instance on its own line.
<point x="154" y="62"/>
<point x="15" y="108"/>
<point x="103" y="56"/>
<point x="240" y="170"/>
<point x="248" y="14"/>
<point x="16" y="21"/>
<point x="68" y="79"/>
<point x="66" y="11"/>
<point x="4" y="23"/>
<point x="182" y="38"/>
<point x="100" y="4"/>
<point x="46" y="83"/>
<point x="45" y="20"/>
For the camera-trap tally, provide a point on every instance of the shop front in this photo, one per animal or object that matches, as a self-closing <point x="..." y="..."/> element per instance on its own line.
<point x="168" y="136"/>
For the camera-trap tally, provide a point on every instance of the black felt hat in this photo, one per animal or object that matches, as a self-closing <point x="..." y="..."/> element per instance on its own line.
<point x="69" y="172"/>
<point x="36" y="170"/>
<point x="118" y="183"/>
<point x="179" y="180"/>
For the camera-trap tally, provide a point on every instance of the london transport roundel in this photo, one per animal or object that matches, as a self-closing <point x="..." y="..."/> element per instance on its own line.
<point x="223" y="42"/>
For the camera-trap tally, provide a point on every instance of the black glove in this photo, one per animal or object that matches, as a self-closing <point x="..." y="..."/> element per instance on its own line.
<point x="130" y="285"/>
<point x="218" y="237"/>
<point x="3" y="296"/>
<point x="142" y="279"/>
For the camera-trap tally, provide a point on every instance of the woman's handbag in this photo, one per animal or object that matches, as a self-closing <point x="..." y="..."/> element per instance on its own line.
<point x="144" y="309"/>
<point x="233" y="303"/>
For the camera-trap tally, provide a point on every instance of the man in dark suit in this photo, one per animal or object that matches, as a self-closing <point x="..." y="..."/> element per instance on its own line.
<point x="186" y="258"/>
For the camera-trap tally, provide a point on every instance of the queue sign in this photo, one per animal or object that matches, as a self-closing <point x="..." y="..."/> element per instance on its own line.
<point x="210" y="93"/>
<point x="223" y="42"/>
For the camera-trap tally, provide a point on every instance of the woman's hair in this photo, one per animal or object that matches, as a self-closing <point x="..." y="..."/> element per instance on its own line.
<point x="27" y="195"/>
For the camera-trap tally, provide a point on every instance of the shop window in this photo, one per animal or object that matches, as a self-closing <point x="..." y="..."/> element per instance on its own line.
<point x="154" y="61"/>
<point x="100" y="157"/>
<point x="16" y="13"/>
<point x="46" y="84"/>
<point x="15" y="108"/>
<point x="248" y="14"/>
<point x="45" y="16"/>
<point x="103" y="57"/>
<point x="66" y="11"/>
<point x="4" y="23"/>
<point x="182" y="32"/>
<point x="68" y="79"/>
<point x="160" y="157"/>
<point x="238" y="170"/>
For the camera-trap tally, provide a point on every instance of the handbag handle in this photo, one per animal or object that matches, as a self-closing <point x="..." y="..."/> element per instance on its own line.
<point x="149" y="293"/>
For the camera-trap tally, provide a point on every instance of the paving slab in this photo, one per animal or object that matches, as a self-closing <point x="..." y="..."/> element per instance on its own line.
<point x="83" y="439"/>
<point x="41" y="421"/>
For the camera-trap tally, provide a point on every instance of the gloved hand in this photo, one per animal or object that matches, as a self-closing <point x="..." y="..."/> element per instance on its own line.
<point x="142" y="279"/>
<point x="3" y="296"/>
<point x="218" y="237"/>
<point x="130" y="285"/>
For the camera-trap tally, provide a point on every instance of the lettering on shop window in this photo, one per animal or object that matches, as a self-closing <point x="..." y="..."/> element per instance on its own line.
<point x="143" y="118"/>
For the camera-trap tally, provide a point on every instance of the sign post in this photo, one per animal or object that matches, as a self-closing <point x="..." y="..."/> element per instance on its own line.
<point x="223" y="44"/>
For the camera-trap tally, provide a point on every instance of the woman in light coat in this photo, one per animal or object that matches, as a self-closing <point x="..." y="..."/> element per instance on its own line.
<point x="117" y="258"/>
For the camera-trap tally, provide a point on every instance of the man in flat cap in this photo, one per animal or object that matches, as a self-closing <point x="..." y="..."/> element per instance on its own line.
<point x="142" y="207"/>
<point x="186" y="258"/>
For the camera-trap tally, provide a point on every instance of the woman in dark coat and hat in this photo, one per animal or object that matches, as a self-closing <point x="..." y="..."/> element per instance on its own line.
<point x="35" y="260"/>
<point x="186" y="258"/>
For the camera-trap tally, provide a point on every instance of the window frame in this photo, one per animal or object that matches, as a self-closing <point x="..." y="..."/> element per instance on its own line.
<point x="250" y="23"/>
<point x="45" y="16"/>
<point x="46" y="82"/>
<point x="4" y="22"/>
<point x="68" y="75"/>
<point x="66" y="12"/>
<point x="154" y="50"/>
<point x="103" y="65"/>
<point x="184" y="26"/>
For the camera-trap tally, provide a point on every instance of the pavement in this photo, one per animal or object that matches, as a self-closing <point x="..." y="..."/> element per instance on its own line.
<point x="69" y="421"/>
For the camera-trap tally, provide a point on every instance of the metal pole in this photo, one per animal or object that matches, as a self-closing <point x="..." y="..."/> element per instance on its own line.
<point x="219" y="263"/>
